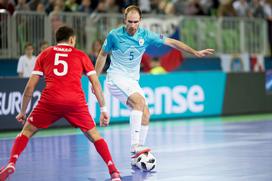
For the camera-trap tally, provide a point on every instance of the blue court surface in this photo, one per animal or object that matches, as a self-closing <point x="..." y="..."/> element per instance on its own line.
<point x="221" y="149"/>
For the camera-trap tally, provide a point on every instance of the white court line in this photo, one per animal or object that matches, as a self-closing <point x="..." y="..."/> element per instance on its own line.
<point x="208" y="133"/>
<point x="203" y="147"/>
<point x="196" y="178"/>
<point x="44" y="136"/>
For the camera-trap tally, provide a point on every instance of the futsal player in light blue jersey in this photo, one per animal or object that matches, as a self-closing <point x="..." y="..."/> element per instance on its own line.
<point x="126" y="46"/>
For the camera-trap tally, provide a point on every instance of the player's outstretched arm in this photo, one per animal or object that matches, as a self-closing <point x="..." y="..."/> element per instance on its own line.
<point x="183" y="47"/>
<point x="27" y="95"/>
<point x="100" y="62"/>
<point x="104" y="117"/>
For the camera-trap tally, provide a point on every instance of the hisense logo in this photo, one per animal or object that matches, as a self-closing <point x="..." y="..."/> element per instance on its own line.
<point x="161" y="100"/>
<point x="178" y="99"/>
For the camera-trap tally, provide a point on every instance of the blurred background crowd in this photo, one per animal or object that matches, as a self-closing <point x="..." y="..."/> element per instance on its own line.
<point x="175" y="8"/>
<point x="241" y="8"/>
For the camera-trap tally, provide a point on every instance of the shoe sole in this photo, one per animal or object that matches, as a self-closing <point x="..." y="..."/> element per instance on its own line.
<point x="141" y="152"/>
<point x="6" y="173"/>
<point x="116" y="179"/>
<point x="115" y="176"/>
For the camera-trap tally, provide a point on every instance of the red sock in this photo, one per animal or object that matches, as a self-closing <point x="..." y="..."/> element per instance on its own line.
<point x="17" y="148"/>
<point x="102" y="148"/>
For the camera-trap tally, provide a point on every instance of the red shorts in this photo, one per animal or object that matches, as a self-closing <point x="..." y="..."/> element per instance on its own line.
<point x="44" y="115"/>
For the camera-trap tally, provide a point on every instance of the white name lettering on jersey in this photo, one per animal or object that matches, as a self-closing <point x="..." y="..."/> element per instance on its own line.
<point x="62" y="49"/>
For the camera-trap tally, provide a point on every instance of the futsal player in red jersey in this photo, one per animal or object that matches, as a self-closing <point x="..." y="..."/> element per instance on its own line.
<point x="62" y="66"/>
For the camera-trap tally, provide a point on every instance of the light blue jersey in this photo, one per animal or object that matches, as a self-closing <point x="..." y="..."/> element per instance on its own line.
<point x="127" y="51"/>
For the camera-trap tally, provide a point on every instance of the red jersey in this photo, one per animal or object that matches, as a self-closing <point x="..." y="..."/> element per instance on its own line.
<point x="63" y="66"/>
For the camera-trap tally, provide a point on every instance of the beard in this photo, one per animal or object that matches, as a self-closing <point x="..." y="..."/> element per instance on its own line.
<point x="132" y="31"/>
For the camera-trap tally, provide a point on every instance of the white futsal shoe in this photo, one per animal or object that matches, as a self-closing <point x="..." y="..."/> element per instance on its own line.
<point x="137" y="150"/>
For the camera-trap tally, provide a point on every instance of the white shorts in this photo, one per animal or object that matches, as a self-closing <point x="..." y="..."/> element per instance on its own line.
<point x="122" y="87"/>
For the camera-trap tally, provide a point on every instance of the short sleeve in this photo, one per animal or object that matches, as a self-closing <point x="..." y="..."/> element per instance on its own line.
<point x="108" y="43"/>
<point x="88" y="67"/>
<point x="38" y="68"/>
<point x="155" y="39"/>
<point x="20" y="65"/>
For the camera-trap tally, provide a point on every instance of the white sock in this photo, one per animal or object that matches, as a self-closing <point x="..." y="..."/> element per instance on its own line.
<point x="135" y="126"/>
<point x="143" y="134"/>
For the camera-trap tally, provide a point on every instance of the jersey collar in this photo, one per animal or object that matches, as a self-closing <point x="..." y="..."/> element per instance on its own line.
<point x="64" y="44"/>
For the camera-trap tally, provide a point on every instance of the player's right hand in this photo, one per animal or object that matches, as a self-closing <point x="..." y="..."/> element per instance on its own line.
<point x="21" y="118"/>
<point x="104" y="119"/>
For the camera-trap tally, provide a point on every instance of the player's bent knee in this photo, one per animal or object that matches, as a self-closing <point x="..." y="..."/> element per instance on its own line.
<point x="136" y="101"/>
<point x="142" y="102"/>
<point x="29" y="130"/>
<point x="139" y="104"/>
<point x="93" y="135"/>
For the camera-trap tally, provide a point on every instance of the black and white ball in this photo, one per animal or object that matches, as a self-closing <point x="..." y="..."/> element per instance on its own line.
<point x="146" y="161"/>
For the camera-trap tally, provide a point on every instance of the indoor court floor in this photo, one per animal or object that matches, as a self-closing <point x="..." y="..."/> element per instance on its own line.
<point x="236" y="148"/>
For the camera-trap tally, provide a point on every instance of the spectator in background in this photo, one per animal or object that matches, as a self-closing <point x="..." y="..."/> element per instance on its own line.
<point x="226" y="8"/>
<point x="71" y="6"/>
<point x="55" y="20"/>
<point x="43" y="45"/>
<point x="130" y="2"/>
<point x="102" y="7"/>
<point x="154" y="6"/>
<point x="121" y="4"/>
<point x="241" y="8"/>
<point x="193" y="8"/>
<point x="166" y="7"/>
<point x="40" y="8"/>
<point x="156" y="67"/>
<point x="175" y="56"/>
<point x="33" y="4"/>
<point x="214" y="7"/>
<point x="26" y="62"/>
<point x="145" y="6"/>
<point x="86" y="7"/>
<point x="112" y="6"/>
<point x="180" y="7"/>
<point x="267" y="5"/>
<point x="145" y="63"/>
<point x="58" y="6"/>
<point x="96" y="47"/>
<point x="5" y="4"/>
<point x="49" y="6"/>
<point x="22" y="6"/>
<point x="256" y="10"/>
<point x="206" y="6"/>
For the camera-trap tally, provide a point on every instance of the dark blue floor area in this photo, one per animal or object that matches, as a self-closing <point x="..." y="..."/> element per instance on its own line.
<point x="197" y="150"/>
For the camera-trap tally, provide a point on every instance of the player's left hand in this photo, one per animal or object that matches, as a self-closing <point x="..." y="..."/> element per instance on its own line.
<point x="21" y="118"/>
<point x="104" y="119"/>
<point x="203" y="53"/>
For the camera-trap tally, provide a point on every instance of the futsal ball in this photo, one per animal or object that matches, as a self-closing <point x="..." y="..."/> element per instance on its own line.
<point x="146" y="161"/>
